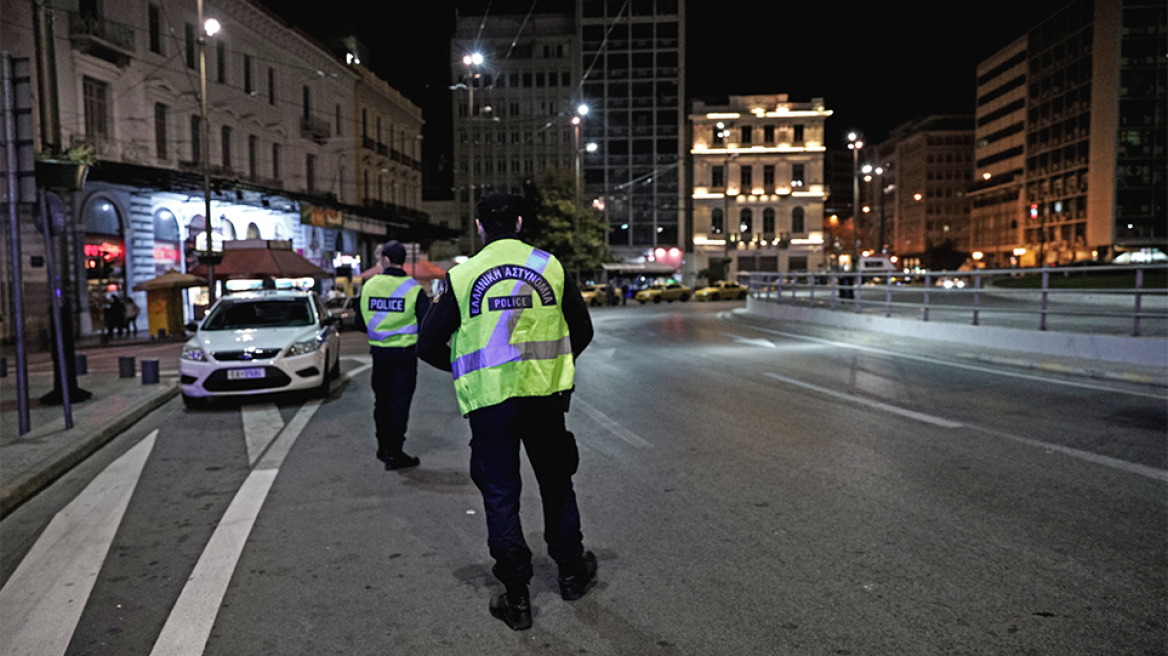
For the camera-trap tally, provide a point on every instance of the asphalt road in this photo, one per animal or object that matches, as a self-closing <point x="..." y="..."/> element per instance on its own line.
<point x="746" y="491"/>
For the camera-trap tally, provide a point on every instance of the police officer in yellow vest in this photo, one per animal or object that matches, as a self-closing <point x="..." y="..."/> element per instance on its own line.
<point x="392" y="307"/>
<point x="515" y="324"/>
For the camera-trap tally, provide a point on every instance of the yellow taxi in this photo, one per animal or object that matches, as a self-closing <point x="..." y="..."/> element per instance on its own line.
<point x="657" y="292"/>
<point x="721" y="290"/>
<point x="594" y="295"/>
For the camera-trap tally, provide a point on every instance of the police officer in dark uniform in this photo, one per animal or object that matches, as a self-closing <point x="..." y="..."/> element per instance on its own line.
<point x="518" y="323"/>
<point x="392" y="307"/>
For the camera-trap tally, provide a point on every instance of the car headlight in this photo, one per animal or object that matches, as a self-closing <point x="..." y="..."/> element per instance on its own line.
<point x="194" y="353"/>
<point x="307" y="346"/>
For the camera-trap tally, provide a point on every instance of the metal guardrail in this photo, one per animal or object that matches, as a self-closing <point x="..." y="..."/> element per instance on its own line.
<point x="876" y="290"/>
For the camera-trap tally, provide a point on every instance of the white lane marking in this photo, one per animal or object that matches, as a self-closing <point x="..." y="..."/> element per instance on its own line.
<point x="190" y="621"/>
<point x="261" y="424"/>
<point x="971" y="367"/>
<point x="1114" y="463"/>
<point x="42" y="601"/>
<point x="359" y="370"/>
<point x="613" y="427"/>
<point x="606" y="353"/>
<point x="753" y="342"/>
<point x="919" y="416"/>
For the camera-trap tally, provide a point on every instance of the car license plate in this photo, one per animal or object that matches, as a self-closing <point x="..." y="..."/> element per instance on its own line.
<point x="245" y="374"/>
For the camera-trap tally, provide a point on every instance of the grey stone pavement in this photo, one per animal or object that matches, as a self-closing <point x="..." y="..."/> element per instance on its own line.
<point x="29" y="463"/>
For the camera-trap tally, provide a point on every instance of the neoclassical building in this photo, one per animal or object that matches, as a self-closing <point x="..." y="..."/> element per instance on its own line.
<point x="758" y="185"/>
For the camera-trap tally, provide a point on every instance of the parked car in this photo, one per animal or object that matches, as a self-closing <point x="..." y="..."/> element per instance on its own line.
<point x="664" y="291"/>
<point x="260" y="342"/>
<point x="594" y="295"/>
<point x="720" y="290"/>
<point x="344" y="309"/>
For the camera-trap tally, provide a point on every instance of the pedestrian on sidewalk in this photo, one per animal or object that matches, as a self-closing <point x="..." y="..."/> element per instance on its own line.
<point x="392" y="307"/>
<point x="114" y="316"/>
<point x="518" y="323"/>
<point x="132" y="311"/>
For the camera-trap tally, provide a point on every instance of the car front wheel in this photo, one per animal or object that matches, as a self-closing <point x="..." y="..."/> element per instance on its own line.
<point x="684" y="298"/>
<point x="194" y="402"/>
<point x="656" y="299"/>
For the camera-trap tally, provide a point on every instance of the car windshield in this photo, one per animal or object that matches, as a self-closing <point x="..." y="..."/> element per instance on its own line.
<point x="337" y="303"/>
<point x="234" y="315"/>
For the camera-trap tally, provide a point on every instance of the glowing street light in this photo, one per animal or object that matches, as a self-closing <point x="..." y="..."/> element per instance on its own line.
<point x="211" y="27"/>
<point x="582" y="110"/>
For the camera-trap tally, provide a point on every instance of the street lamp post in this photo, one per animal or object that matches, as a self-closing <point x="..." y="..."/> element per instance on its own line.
<point x="868" y="171"/>
<point x="206" y="28"/>
<point x="723" y="133"/>
<point x="471" y="60"/>
<point x="854" y="145"/>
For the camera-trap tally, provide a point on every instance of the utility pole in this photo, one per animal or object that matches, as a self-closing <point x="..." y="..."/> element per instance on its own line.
<point x="205" y="138"/>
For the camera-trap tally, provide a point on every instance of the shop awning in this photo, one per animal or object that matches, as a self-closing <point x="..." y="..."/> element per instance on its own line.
<point x="170" y="280"/>
<point x="401" y="223"/>
<point x="275" y="261"/>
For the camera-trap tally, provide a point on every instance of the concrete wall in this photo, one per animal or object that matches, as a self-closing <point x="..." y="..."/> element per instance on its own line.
<point x="1132" y="350"/>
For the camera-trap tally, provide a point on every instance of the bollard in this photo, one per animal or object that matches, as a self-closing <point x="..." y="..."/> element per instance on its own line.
<point x="81" y="364"/>
<point x="150" y="372"/>
<point x="126" y="367"/>
<point x="161" y="333"/>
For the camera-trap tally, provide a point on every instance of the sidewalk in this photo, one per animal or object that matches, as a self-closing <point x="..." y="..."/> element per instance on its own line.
<point x="30" y="462"/>
<point x="1096" y="369"/>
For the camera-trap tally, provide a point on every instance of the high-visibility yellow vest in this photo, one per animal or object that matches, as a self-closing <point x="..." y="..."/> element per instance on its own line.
<point x="512" y="340"/>
<point x="388" y="306"/>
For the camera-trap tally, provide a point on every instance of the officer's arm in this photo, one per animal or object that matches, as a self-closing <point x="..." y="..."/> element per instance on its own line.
<point x="576" y="315"/>
<point x="422" y="306"/>
<point x="441" y="321"/>
<point x="359" y="316"/>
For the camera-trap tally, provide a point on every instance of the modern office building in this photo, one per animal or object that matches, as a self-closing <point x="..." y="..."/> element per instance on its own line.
<point x="525" y="93"/>
<point x="931" y="170"/>
<point x="758" y="185"/>
<point x="1094" y="160"/>
<point x="633" y="75"/>
<point x="995" y="215"/>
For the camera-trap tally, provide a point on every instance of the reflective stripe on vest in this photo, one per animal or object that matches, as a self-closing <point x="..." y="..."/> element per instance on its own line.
<point x="500" y="360"/>
<point x="391" y="328"/>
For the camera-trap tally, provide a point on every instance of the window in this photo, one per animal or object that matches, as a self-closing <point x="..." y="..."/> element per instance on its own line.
<point x="716" y="221"/>
<point x="527" y="79"/>
<point x="717" y="177"/>
<point x="364" y="123"/>
<point x="718" y="140"/>
<point x="565" y="79"/>
<point x="768" y="221"/>
<point x="798" y="133"/>
<point x="271" y="86"/>
<point x="768" y="177"/>
<point x="191" y="41"/>
<point x="196" y="139"/>
<point x="310" y="173"/>
<point x="221" y="62"/>
<point x="768" y="134"/>
<point x="797" y="224"/>
<point x="746" y="133"/>
<point x="747" y="178"/>
<point x="539" y="79"/>
<point x="338" y="119"/>
<point x="160" y="130"/>
<point x="97" y="116"/>
<point x="512" y="80"/>
<point x="276" y="161"/>
<point x="247" y="85"/>
<point x="306" y="98"/>
<point x="154" y="19"/>
<point x="225" y="134"/>
<point x="253" y="156"/>
<point x="746" y="221"/>
<point x="365" y="179"/>
<point x="797" y="175"/>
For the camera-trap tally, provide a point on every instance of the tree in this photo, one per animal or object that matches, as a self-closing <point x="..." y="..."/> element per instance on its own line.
<point x="551" y="223"/>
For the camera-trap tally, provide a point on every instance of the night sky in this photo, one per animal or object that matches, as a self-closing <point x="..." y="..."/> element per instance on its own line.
<point x="875" y="66"/>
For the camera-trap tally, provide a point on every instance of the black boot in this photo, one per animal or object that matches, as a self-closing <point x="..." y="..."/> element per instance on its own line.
<point x="513" y="607"/>
<point x="400" y="460"/>
<point x="576" y="581"/>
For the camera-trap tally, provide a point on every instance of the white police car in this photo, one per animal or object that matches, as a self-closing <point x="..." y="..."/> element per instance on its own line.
<point x="260" y="342"/>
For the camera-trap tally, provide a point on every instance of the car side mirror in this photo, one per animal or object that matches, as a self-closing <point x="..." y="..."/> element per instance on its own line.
<point x="192" y="326"/>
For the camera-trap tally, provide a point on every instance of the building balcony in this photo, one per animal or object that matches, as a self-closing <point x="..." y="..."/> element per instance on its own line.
<point x="382" y="150"/>
<point x="102" y="38"/>
<point x="315" y="129"/>
<point x="368" y="144"/>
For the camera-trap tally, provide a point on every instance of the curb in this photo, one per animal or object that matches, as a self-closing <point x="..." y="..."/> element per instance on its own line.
<point x="1034" y="365"/>
<point x="13" y="495"/>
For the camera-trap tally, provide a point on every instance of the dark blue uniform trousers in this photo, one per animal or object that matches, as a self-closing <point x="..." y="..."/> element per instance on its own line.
<point x="395" y="375"/>
<point x="537" y="422"/>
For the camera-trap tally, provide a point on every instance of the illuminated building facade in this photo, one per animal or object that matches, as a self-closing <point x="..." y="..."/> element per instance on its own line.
<point x="758" y="185"/>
